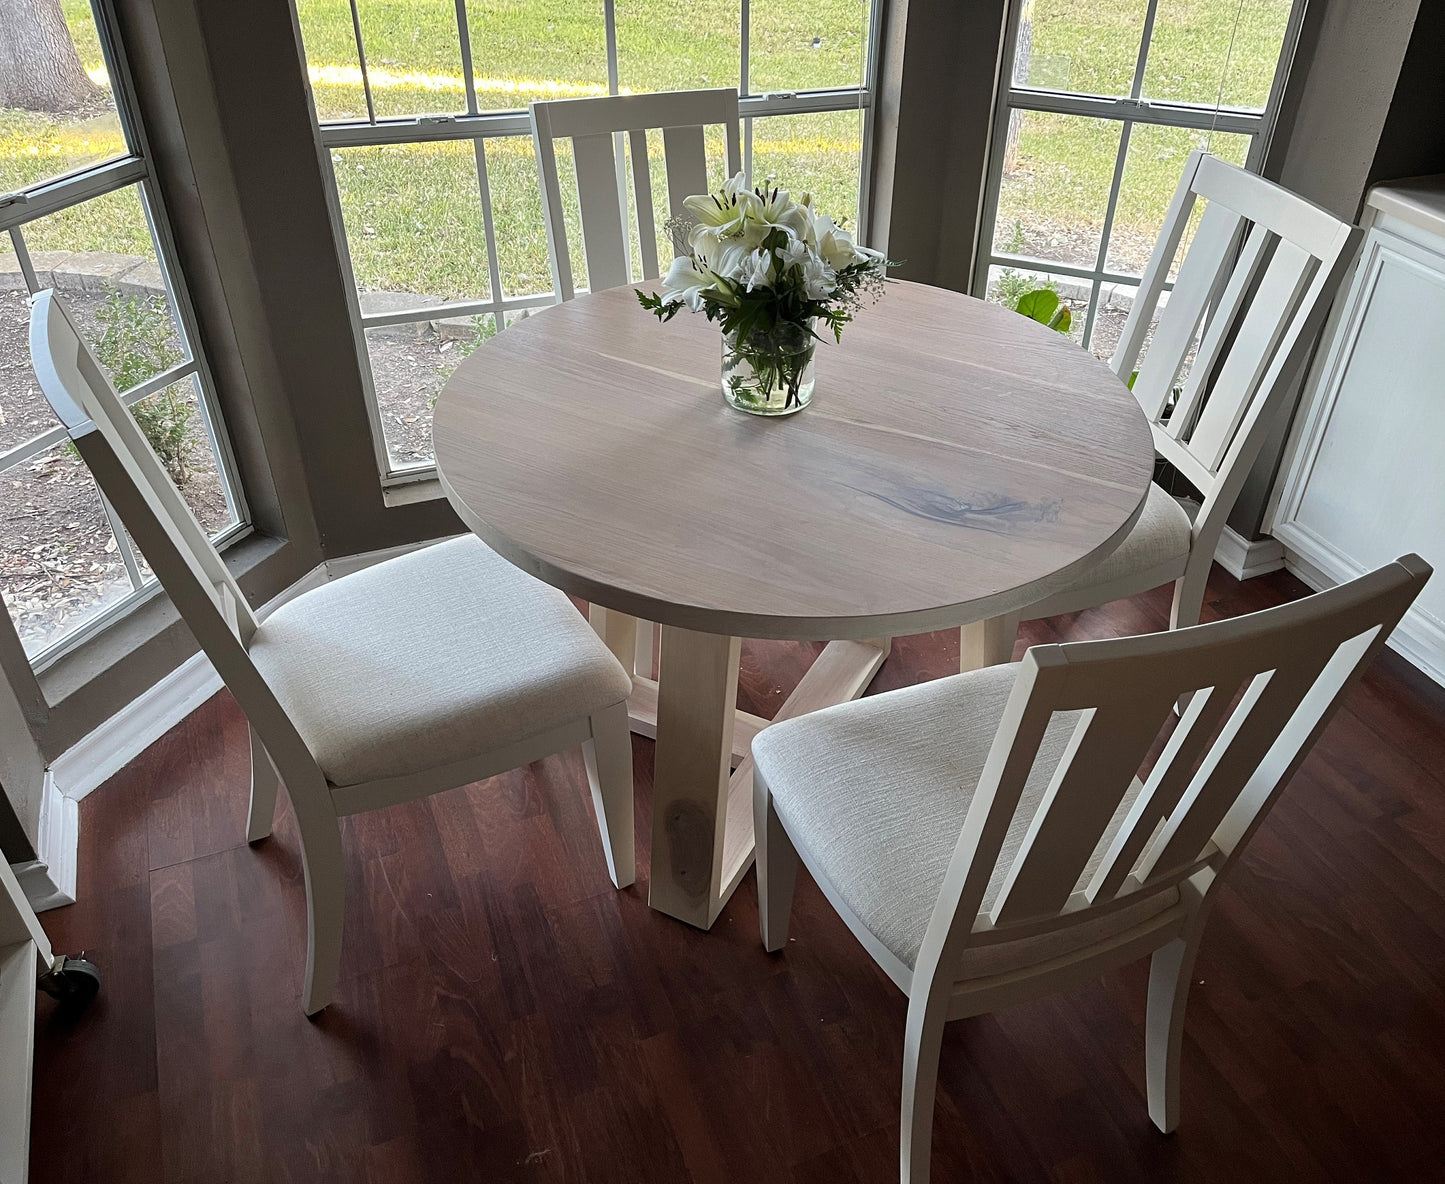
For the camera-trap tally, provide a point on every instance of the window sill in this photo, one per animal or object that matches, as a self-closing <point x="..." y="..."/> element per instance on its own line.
<point x="410" y="493"/>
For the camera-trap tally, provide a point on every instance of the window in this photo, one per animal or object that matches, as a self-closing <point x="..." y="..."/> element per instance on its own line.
<point x="1105" y="102"/>
<point x="422" y="105"/>
<point x="79" y="212"/>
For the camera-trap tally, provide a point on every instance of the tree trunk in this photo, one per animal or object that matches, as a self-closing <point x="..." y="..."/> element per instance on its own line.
<point x="39" y="68"/>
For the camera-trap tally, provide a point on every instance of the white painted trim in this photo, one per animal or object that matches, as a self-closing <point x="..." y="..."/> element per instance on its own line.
<point x="1246" y="558"/>
<point x="125" y="735"/>
<point x="49" y="879"/>
<point x="1416" y="640"/>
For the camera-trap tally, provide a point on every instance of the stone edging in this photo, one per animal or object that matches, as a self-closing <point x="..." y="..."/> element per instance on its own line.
<point x="86" y="271"/>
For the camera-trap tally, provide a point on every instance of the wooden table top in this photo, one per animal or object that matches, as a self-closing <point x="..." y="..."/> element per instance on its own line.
<point x="958" y="461"/>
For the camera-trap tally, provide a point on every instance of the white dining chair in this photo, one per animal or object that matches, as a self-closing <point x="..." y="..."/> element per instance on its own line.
<point x="1251" y="292"/>
<point x="594" y="126"/>
<point x="419" y="674"/>
<point x="988" y="838"/>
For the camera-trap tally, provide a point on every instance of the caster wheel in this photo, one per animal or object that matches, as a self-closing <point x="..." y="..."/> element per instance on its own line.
<point x="73" y="983"/>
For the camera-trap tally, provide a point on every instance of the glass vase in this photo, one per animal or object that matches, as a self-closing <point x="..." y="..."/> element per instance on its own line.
<point x="769" y="373"/>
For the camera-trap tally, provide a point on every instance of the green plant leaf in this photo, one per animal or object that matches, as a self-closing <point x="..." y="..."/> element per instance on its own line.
<point x="1038" y="305"/>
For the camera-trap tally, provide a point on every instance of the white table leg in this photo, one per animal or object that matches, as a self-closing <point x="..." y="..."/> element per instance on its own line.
<point x="987" y="643"/>
<point x="696" y="712"/>
<point x="702" y="820"/>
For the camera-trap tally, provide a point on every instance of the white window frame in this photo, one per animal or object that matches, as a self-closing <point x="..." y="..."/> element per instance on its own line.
<point x="479" y="126"/>
<point x="72" y="189"/>
<point x="1127" y="110"/>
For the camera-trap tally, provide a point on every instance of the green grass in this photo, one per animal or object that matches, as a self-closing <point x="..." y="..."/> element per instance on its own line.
<point x="412" y="214"/>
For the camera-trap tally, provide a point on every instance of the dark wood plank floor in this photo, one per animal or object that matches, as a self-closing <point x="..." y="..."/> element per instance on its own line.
<point x="505" y="1015"/>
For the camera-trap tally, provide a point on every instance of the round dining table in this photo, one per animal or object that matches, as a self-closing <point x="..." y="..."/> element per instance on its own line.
<point x="958" y="463"/>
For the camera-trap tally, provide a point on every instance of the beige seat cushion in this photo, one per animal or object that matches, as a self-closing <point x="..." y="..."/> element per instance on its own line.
<point x="876" y="791"/>
<point x="1162" y="533"/>
<point x="439" y="655"/>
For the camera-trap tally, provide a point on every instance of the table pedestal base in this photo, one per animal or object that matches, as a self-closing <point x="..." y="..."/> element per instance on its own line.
<point x="702" y="804"/>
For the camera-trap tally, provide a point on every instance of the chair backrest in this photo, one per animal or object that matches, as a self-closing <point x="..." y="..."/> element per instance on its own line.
<point x="189" y="568"/>
<point x="593" y="126"/>
<point x="1258" y="279"/>
<point x="1264" y="686"/>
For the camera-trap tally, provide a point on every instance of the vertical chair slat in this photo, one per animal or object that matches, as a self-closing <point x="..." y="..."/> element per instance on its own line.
<point x="1166" y="785"/>
<point x="1208" y="258"/>
<point x="603" y="239"/>
<point x="686" y="165"/>
<point x="1230" y="303"/>
<point x="1264" y="710"/>
<point x="642" y="194"/>
<point x="1151" y="285"/>
<point x="1264" y="326"/>
<point x="1096" y="770"/>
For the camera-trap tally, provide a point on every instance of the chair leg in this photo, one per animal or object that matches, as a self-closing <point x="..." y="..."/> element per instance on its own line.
<point x="263" y="792"/>
<point x="776" y="861"/>
<point x="987" y="643"/>
<point x="1170" y="972"/>
<point x="609" y="772"/>
<point x="922" y="1039"/>
<point x="1189" y="597"/>
<point x="325" y="895"/>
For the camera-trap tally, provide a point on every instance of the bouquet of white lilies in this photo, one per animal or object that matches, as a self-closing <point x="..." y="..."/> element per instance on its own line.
<point x="759" y="257"/>
<point x="765" y="267"/>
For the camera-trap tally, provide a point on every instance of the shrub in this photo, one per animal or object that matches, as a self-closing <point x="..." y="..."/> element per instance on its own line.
<point x="135" y="345"/>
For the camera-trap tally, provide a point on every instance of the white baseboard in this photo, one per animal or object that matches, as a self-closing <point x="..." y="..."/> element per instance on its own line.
<point x="49" y="879"/>
<point x="1246" y="558"/>
<point x="131" y="730"/>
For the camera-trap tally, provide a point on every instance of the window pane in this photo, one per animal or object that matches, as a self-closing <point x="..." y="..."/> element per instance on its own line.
<point x="24" y="412"/>
<point x="57" y="112"/>
<point x="60" y="564"/>
<point x="517" y="215"/>
<point x="1152" y="169"/>
<point x="820" y="154"/>
<point x="171" y="420"/>
<point x="1196" y="55"/>
<point x="1007" y="285"/>
<point x="413" y="57"/>
<point x="1057" y="171"/>
<point x="678" y="44"/>
<point x="331" y="59"/>
<point x="111" y="283"/>
<point x="410" y="364"/>
<point x="1084" y="48"/>
<point x="806" y="47"/>
<point x="413" y="218"/>
<point x="536" y="49"/>
<point x="1116" y="301"/>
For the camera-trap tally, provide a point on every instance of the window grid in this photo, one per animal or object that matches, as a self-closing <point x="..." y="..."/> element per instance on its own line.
<point x="54" y="195"/>
<point x="479" y="126"/>
<point x="1127" y="111"/>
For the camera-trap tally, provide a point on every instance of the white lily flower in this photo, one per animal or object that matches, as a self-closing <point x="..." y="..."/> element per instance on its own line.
<point x="757" y="270"/>
<point x="794" y="252"/>
<point x="819" y="279"/>
<point x="685" y="283"/>
<point x="835" y="244"/>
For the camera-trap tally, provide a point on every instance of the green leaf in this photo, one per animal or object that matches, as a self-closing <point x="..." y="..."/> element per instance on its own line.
<point x="1132" y="377"/>
<point x="1038" y="305"/>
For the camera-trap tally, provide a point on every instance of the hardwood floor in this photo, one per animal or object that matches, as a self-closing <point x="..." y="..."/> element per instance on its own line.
<point x="504" y="1014"/>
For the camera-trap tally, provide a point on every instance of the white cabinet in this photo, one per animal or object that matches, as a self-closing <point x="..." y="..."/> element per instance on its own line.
<point x="1365" y="477"/>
